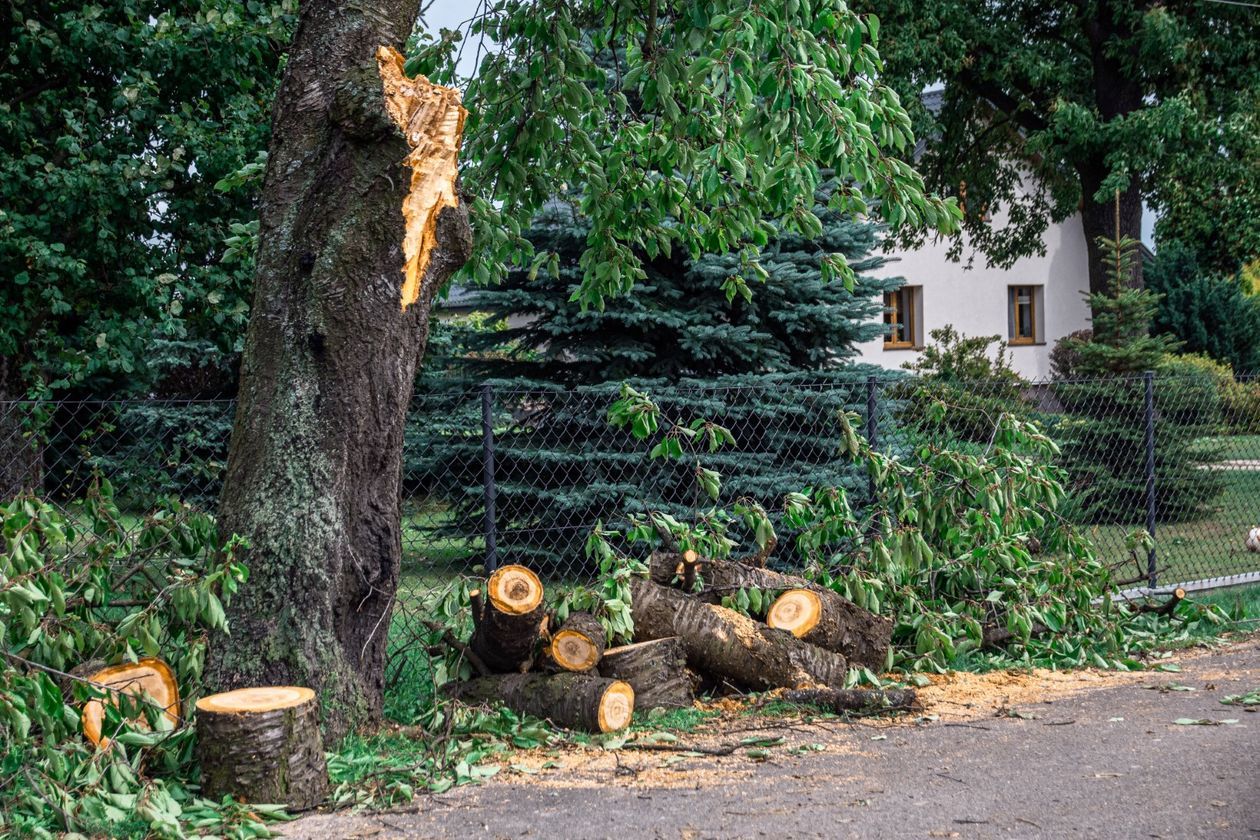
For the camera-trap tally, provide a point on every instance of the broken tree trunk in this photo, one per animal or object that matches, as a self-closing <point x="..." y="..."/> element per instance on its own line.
<point x="505" y="635"/>
<point x="861" y="700"/>
<point x="579" y="643"/>
<point x="574" y="701"/>
<point x="337" y="328"/>
<point x="862" y="636"/>
<point x="725" y="644"/>
<point x="824" y="618"/>
<point x="656" y="670"/>
<point x="262" y="745"/>
<point x="149" y="679"/>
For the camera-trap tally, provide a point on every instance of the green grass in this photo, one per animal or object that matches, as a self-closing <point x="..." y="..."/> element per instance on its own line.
<point x="1213" y="546"/>
<point x="1241" y="603"/>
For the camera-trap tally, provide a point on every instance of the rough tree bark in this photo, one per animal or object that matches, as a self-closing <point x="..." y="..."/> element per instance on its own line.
<point x="725" y="644"/>
<point x="656" y="670"/>
<point x="330" y="358"/>
<point x="859" y="634"/>
<point x="574" y="701"/>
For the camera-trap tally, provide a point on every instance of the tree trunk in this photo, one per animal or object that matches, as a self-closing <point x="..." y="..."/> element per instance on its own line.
<point x="505" y="633"/>
<point x="574" y="701"/>
<point x="21" y="454"/>
<point x="859" y="634"/>
<point x="656" y="670"/>
<point x="823" y="618"/>
<point x="330" y="358"/>
<point x="1099" y="220"/>
<point x="262" y="745"/>
<point x="861" y="700"/>
<point x="725" y="644"/>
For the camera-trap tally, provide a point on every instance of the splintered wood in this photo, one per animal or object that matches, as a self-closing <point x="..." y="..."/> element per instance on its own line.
<point x="431" y="118"/>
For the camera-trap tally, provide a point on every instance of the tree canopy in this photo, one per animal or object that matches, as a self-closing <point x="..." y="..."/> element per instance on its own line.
<point x="1051" y="107"/>
<point x="117" y="121"/>
<point x="689" y="125"/>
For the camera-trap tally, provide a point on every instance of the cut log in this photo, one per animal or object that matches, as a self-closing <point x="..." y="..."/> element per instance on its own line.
<point x="723" y="643"/>
<point x="150" y="679"/>
<point x="861" y="700"/>
<point x="656" y="670"/>
<point x="828" y="620"/>
<point x="505" y="635"/>
<point x="862" y="636"/>
<point x="574" y="701"/>
<point x="579" y="643"/>
<point x="262" y="745"/>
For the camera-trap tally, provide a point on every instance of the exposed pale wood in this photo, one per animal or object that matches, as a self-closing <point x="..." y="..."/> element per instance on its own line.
<point x="149" y="678"/>
<point x="514" y="590"/>
<point x="578" y="644"/>
<point x="796" y="611"/>
<point x="431" y="118"/>
<point x="261" y="699"/>
<point x="262" y="745"/>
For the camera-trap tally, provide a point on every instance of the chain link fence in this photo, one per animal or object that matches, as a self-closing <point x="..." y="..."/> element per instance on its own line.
<point x="502" y="473"/>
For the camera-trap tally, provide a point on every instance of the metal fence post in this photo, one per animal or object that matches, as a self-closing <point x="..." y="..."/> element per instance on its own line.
<point x="487" y="476"/>
<point x="1152" y="501"/>
<point x="872" y="422"/>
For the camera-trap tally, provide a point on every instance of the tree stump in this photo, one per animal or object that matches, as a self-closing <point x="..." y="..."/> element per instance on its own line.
<point x="574" y="701"/>
<point x="262" y="745"/>
<point x="579" y="644"/>
<point x="506" y="628"/>
<point x="833" y="623"/>
<point x="150" y="679"/>
<point x="656" y="670"/>
<point x="722" y="643"/>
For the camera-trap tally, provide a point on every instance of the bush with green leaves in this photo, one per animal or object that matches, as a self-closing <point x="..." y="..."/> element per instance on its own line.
<point x="93" y="585"/>
<point x="971" y="373"/>
<point x="966" y="549"/>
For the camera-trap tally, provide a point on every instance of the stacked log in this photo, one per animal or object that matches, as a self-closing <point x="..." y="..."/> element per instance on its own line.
<point x="575" y="701"/>
<point x="655" y="669"/>
<point x="682" y="636"/>
<point x="811" y="612"/>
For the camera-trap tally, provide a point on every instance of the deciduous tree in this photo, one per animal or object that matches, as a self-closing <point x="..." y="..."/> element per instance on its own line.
<point x="747" y="102"/>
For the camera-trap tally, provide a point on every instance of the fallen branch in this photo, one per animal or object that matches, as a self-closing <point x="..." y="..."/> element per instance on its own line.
<point x="862" y="700"/>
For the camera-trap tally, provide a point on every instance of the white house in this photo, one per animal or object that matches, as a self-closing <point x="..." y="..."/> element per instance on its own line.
<point x="1030" y="305"/>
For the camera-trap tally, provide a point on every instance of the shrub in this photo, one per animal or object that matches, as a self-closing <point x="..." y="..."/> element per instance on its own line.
<point x="975" y="384"/>
<point x="92" y="585"/>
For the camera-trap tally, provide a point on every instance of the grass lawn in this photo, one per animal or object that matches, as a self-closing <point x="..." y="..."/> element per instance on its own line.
<point x="1210" y="547"/>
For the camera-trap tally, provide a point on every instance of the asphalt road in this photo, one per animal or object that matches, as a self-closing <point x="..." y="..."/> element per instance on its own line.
<point x="1105" y="763"/>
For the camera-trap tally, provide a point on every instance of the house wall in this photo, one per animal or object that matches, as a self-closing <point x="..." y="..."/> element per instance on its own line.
<point x="974" y="300"/>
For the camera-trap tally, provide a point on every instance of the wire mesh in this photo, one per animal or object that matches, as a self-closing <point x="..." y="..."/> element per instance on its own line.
<point x="1175" y="455"/>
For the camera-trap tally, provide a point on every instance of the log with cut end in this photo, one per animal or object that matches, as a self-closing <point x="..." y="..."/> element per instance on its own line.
<point x="262" y="745"/>
<point x="823" y="618"/>
<point x="579" y="643"/>
<point x="725" y="644"/>
<point x="505" y="635"/>
<point x="574" y="701"/>
<point x="656" y="670"/>
<point x="150" y="680"/>
<point x="861" y="700"/>
<point x="862" y="636"/>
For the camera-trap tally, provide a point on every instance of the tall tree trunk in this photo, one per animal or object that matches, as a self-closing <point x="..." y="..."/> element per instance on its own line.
<point x="21" y="451"/>
<point x="1116" y="95"/>
<point x="313" y="473"/>
<point x="1099" y="220"/>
